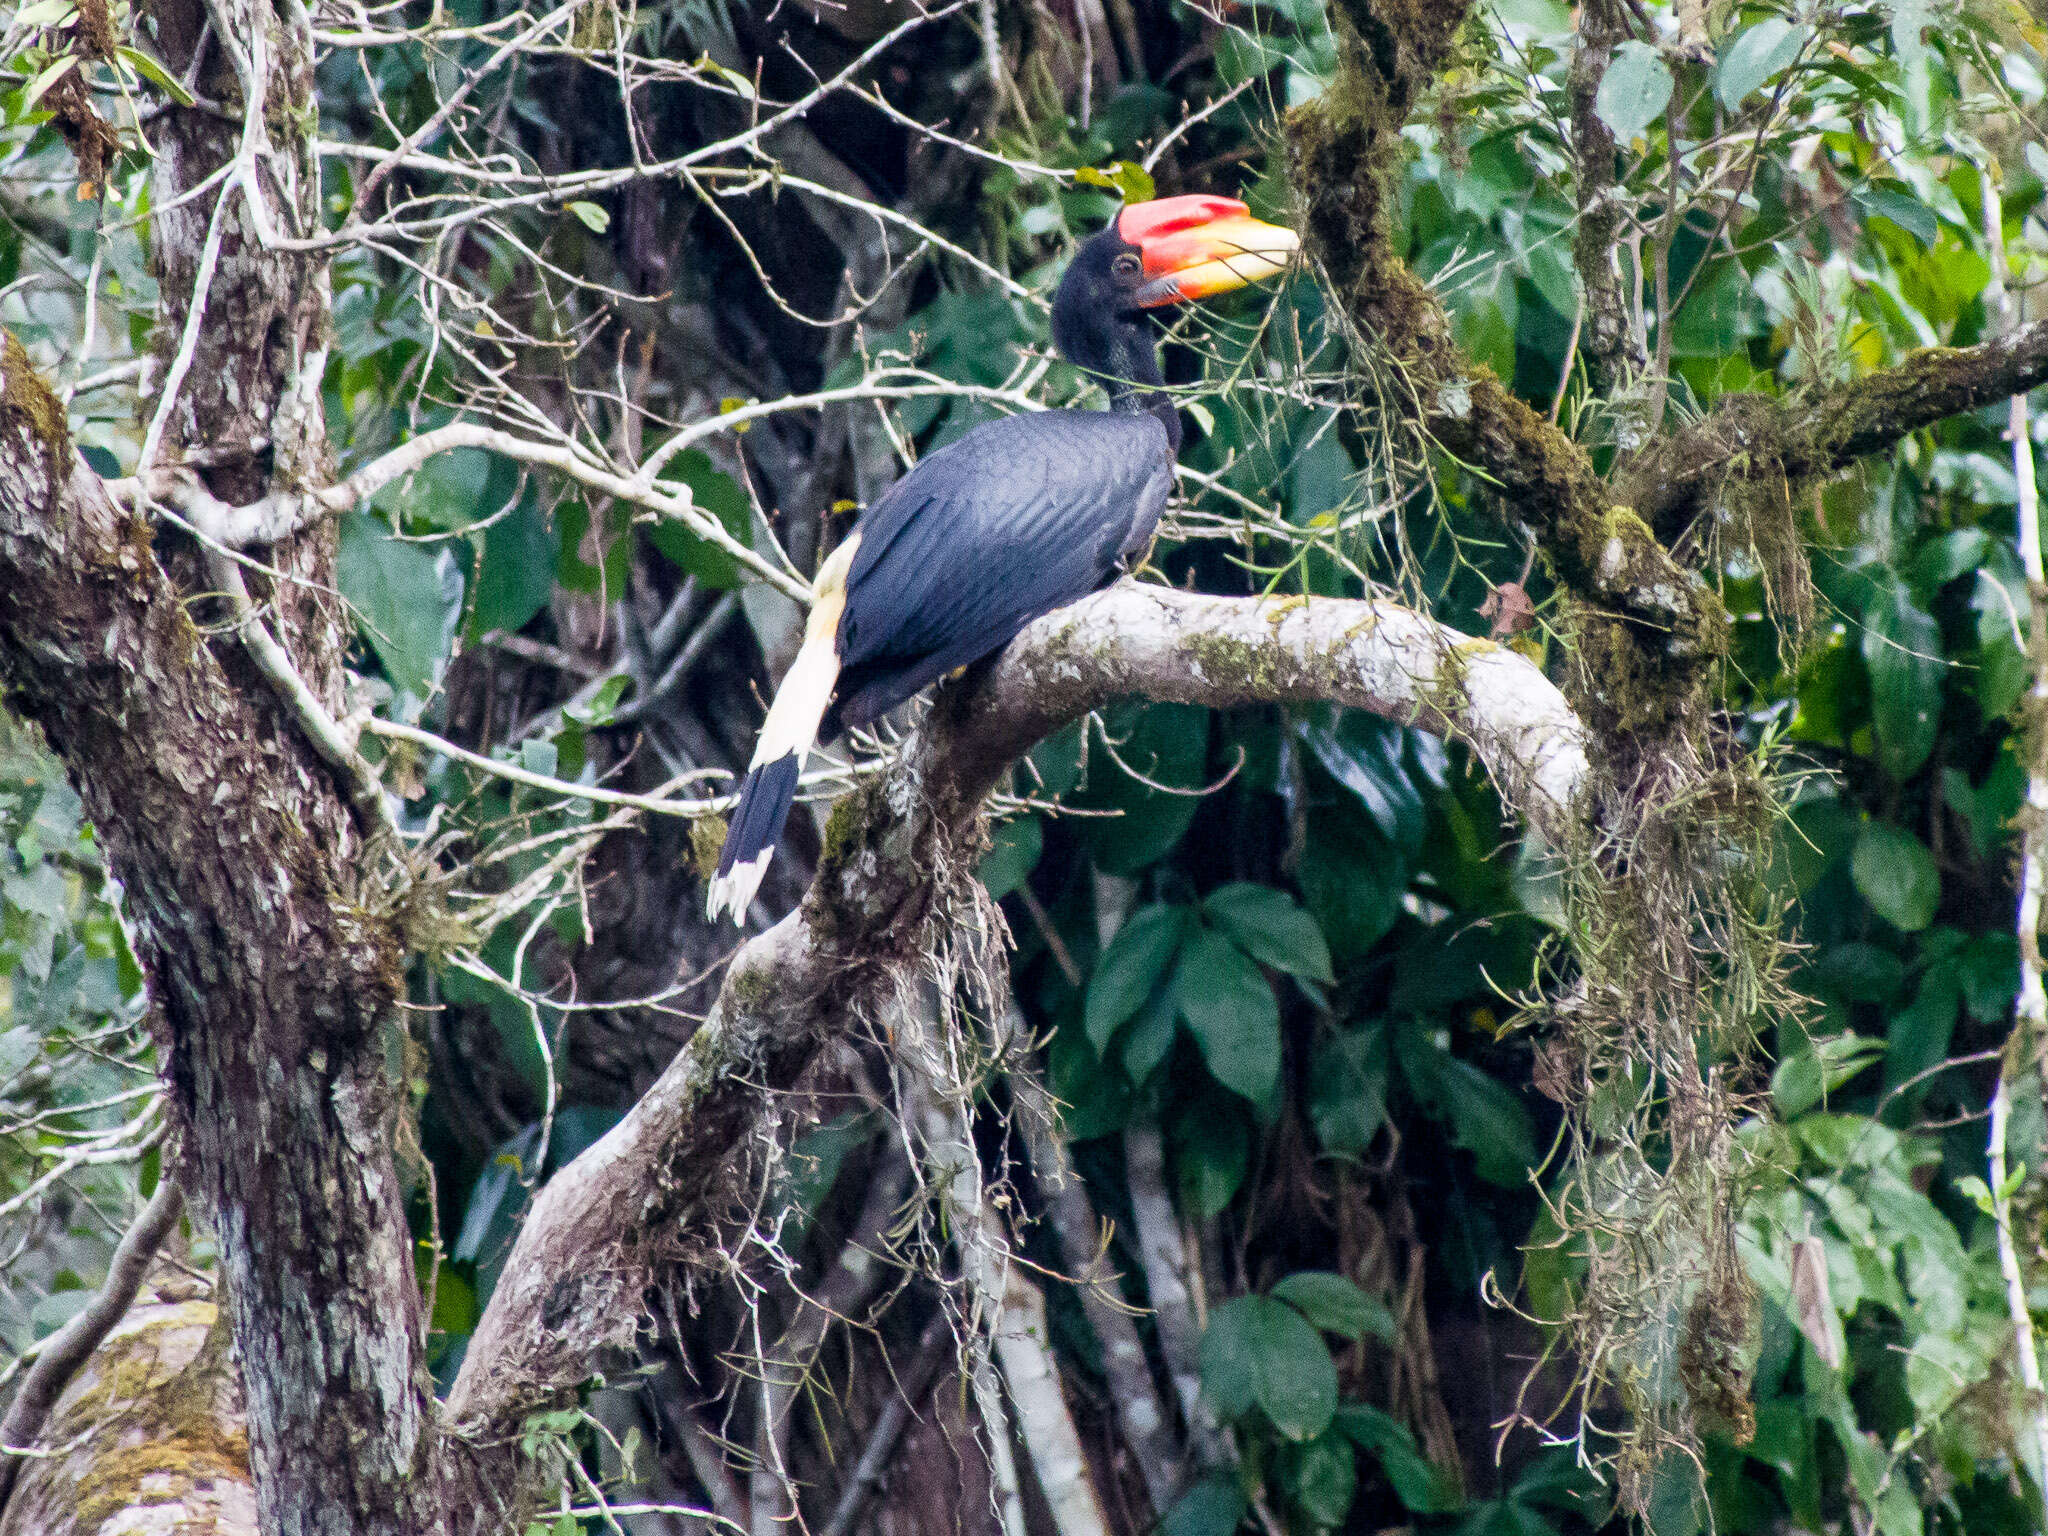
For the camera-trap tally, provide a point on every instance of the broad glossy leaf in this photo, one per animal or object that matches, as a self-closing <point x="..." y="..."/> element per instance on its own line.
<point x="1322" y="1478"/>
<point x="1335" y="1304"/>
<point x="1257" y="1350"/>
<point x="1212" y="1147"/>
<point x="1348" y="1090"/>
<point x="1634" y="91"/>
<point x="1421" y="1487"/>
<point x="1131" y="967"/>
<point x="720" y="496"/>
<point x="1897" y="875"/>
<point x="492" y="1212"/>
<point x="1229" y="1006"/>
<point x="1486" y="1117"/>
<point x="1902" y="649"/>
<point x="1212" y="1508"/>
<point x="1891" y="200"/>
<point x="1364" y="754"/>
<point x="1756" y="56"/>
<point x="1271" y="927"/>
<point x="1351" y="878"/>
<point x="516" y="572"/>
<point x="1148" y="1038"/>
<point x="1804" y="1078"/>
<point x="1168" y="744"/>
<point x="406" y="597"/>
<point x="1014" y="853"/>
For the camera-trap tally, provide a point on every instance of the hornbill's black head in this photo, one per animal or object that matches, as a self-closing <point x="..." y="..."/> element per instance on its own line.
<point x="1154" y="254"/>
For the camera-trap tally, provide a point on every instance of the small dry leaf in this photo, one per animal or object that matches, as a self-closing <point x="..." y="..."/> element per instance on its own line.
<point x="1508" y="606"/>
<point x="1553" y="1076"/>
<point x="1813" y="1306"/>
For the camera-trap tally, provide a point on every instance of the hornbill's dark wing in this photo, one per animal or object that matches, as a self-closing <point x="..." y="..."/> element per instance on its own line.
<point x="1017" y="518"/>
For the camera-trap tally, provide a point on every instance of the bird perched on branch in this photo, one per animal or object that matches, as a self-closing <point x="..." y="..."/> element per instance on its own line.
<point x="1016" y="518"/>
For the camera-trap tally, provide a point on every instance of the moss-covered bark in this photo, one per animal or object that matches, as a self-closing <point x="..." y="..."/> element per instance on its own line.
<point x="152" y="1429"/>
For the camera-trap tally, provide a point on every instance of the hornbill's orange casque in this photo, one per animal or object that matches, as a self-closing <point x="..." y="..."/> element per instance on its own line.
<point x="1016" y="518"/>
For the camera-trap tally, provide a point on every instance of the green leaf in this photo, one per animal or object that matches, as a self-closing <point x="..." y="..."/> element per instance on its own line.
<point x="1485" y="1116"/>
<point x="40" y="86"/>
<point x="1016" y="847"/>
<point x="1351" y="880"/>
<point x="1229" y="1356"/>
<point x="578" y="536"/>
<point x="1125" y="177"/>
<point x="1422" y="1487"/>
<point x="1322" y="1479"/>
<point x="719" y="495"/>
<point x="1348" y="1090"/>
<point x="594" y="218"/>
<point x="155" y="74"/>
<point x="406" y="597"/>
<point x="1365" y="755"/>
<point x="1149" y="1036"/>
<point x="740" y="84"/>
<point x="1272" y="928"/>
<point x="1634" y="91"/>
<point x="1757" y="56"/>
<point x="1168" y="744"/>
<point x="1257" y="1351"/>
<point x="515" y="572"/>
<point x="1335" y="1304"/>
<point x="1130" y="968"/>
<point x="1212" y="1147"/>
<point x="1230" y="1008"/>
<point x="455" y="1309"/>
<point x="45" y="13"/>
<point x="1902" y="650"/>
<point x="1896" y="874"/>
<point x="1806" y="1077"/>
<point x="1212" y="1508"/>
<point x="1889" y="200"/>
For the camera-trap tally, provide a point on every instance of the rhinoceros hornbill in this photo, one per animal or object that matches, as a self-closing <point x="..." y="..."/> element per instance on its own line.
<point x="1015" y="519"/>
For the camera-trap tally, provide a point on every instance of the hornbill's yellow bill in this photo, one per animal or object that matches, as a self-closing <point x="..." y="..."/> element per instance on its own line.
<point x="1012" y="520"/>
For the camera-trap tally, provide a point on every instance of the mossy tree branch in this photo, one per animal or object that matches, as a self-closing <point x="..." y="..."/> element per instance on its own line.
<point x="1823" y="432"/>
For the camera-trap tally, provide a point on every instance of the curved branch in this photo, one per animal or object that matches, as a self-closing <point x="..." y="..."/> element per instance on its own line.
<point x="657" y="1190"/>
<point x="68" y="1348"/>
<point x="1669" y="485"/>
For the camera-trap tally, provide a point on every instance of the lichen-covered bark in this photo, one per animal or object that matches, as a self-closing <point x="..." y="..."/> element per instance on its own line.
<point x="1755" y="438"/>
<point x="1607" y="340"/>
<point x="150" y="1436"/>
<point x="275" y="966"/>
<point x="1659" y="622"/>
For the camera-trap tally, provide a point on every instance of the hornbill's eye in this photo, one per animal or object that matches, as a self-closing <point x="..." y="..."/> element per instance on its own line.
<point x="1125" y="265"/>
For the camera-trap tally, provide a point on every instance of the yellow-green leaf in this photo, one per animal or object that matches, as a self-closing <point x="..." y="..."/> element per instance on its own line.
<point x="156" y="74"/>
<point x="40" y="86"/>
<point x="46" y="13"/>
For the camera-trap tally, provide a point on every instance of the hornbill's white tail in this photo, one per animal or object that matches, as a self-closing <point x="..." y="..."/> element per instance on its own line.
<point x="787" y="736"/>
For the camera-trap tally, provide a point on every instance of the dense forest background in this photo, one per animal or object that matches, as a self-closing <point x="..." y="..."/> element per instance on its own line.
<point x="1318" y="1142"/>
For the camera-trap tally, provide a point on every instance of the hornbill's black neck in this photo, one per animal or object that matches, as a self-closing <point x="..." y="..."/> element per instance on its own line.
<point x="1120" y="350"/>
<point x="1132" y="376"/>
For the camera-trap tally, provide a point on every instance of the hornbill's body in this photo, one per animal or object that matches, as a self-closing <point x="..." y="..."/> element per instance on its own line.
<point x="1016" y="518"/>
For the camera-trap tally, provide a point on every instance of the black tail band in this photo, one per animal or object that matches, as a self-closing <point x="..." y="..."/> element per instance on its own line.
<point x="765" y="798"/>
